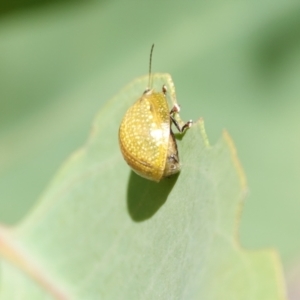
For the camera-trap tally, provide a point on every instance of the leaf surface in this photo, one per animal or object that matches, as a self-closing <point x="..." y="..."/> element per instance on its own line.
<point x="102" y="232"/>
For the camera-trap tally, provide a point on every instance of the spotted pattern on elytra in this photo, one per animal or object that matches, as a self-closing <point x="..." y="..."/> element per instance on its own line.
<point x="145" y="137"/>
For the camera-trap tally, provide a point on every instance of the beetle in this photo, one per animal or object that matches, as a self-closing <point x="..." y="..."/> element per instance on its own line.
<point x="146" y="139"/>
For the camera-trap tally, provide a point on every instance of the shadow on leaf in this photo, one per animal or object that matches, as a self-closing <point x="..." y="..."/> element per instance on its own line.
<point x="145" y="197"/>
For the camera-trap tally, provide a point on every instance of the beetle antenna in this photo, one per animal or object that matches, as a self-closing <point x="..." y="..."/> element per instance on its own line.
<point x="150" y="64"/>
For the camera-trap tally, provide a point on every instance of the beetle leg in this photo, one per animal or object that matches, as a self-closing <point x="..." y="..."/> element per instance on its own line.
<point x="187" y="125"/>
<point x="175" y="109"/>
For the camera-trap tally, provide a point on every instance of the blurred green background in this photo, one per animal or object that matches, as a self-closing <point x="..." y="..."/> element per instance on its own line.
<point x="235" y="64"/>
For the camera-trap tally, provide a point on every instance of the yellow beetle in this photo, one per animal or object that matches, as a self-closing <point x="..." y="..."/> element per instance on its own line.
<point x="146" y="139"/>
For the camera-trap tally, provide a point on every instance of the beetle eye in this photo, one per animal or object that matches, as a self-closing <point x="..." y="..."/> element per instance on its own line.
<point x="147" y="90"/>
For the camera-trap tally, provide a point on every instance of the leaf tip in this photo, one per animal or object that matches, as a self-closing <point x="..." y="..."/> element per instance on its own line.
<point x="200" y="123"/>
<point x="236" y="161"/>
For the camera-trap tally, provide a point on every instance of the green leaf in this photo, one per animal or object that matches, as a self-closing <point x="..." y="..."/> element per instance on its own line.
<point x="102" y="232"/>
